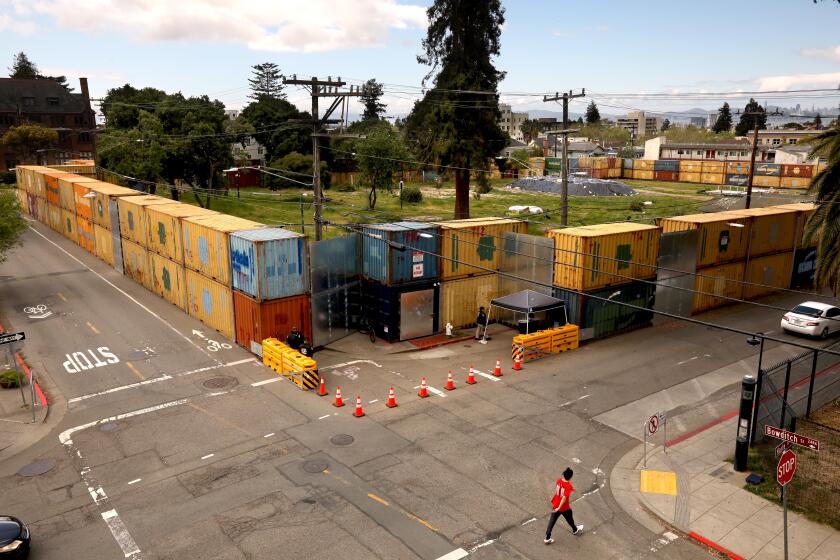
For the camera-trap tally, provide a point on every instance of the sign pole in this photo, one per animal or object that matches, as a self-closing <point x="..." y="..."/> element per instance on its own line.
<point x="32" y="392"/>
<point x="784" y="517"/>
<point x="664" y="433"/>
<point x="17" y="371"/>
<point x="644" y="440"/>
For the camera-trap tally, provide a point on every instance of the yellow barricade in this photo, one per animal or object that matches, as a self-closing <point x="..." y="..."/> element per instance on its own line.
<point x="291" y="364"/>
<point x="538" y="344"/>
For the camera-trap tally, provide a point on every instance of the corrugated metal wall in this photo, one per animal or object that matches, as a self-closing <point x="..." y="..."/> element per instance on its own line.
<point x="269" y="263"/>
<point x="209" y="302"/>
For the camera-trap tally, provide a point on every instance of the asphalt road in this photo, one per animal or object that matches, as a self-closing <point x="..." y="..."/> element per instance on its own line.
<point x="166" y="449"/>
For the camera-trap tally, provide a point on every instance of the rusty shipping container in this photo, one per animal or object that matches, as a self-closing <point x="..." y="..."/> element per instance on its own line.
<point x="738" y="167"/>
<point x="133" y="223"/>
<point x="767" y="274"/>
<point x="167" y="280"/>
<point x="643" y="164"/>
<point x="23" y="200"/>
<point x="721" y="236"/>
<point x="84" y="169"/>
<point x="767" y="181"/>
<point x="666" y="175"/>
<point x="165" y="234"/>
<point x="68" y="225"/>
<point x="690" y="176"/>
<point x="804" y="171"/>
<point x="712" y="178"/>
<point x="104" y="244"/>
<point x="803" y="210"/>
<point x="136" y="263"/>
<point x="597" y="256"/>
<point x="82" y="197"/>
<point x="104" y="195"/>
<point x="795" y="183"/>
<point x="86" y="239"/>
<point x="773" y="229"/>
<point x="717" y="283"/>
<point x="257" y="320"/>
<point x="32" y="205"/>
<point x="642" y="174"/>
<point x="460" y="299"/>
<point x="468" y="244"/>
<point x="46" y="179"/>
<point x="66" y="191"/>
<point x="210" y="302"/>
<point x="600" y="173"/>
<point x="717" y="167"/>
<point x="690" y="166"/>
<point x="207" y="243"/>
<point x="51" y="190"/>
<point x="41" y="208"/>
<point x="54" y="218"/>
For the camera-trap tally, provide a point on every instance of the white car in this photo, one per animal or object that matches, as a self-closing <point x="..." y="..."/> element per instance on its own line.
<point x="812" y="318"/>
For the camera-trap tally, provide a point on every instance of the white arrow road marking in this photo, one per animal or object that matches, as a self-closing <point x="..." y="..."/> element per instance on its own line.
<point x="487" y="375"/>
<point x="199" y="334"/>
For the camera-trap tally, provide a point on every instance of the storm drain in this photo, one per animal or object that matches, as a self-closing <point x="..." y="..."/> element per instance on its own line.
<point x="342" y="439"/>
<point x="315" y="466"/>
<point x="221" y="382"/>
<point x="39" y="467"/>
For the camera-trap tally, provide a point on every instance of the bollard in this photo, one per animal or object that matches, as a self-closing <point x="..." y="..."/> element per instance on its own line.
<point x="742" y="437"/>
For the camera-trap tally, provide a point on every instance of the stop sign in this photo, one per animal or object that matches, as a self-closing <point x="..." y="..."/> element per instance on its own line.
<point x="786" y="468"/>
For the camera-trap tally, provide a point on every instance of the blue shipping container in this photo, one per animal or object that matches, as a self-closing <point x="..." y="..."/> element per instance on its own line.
<point x="269" y="263"/>
<point x="400" y="252"/>
<point x="737" y="180"/>
<point x="666" y="165"/>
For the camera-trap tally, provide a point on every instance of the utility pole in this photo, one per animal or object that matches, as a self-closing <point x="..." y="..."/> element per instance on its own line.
<point x="566" y="97"/>
<point x="328" y="88"/>
<point x="752" y="154"/>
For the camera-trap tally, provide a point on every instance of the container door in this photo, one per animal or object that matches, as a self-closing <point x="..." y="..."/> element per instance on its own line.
<point x="675" y="281"/>
<point x="114" y="213"/>
<point x="417" y="314"/>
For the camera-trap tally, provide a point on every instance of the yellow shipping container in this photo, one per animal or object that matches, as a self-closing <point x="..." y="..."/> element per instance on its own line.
<point x="690" y="166"/>
<point x="804" y="210"/>
<point x="41" y="204"/>
<point x="460" y="299"/>
<point x="536" y="162"/>
<point x="104" y="244"/>
<point x="690" y="176"/>
<point x="644" y="174"/>
<point x="584" y="162"/>
<point x="209" y="302"/>
<point x="592" y="257"/>
<point x="133" y="216"/>
<point x="207" y="246"/>
<point x="84" y="230"/>
<point x="614" y="172"/>
<point x="795" y="182"/>
<point x="68" y="225"/>
<point x="66" y="193"/>
<point x="713" y="167"/>
<point x="136" y="263"/>
<point x="773" y="229"/>
<point x="712" y="178"/>
<point x="168" y="280"/>
<point x="820" y="167"/>
<point x="54" y="218"/>
<point x="724" y="280"/>
<point x="766" y="181"/>
<point x="165" y="234"/>
<point x="718" y="240"/>
<point x="87" y="169"/>
<point x="82" y="199"/>
<point x="770" y="272"/>
<point x="465" y="244"/>
<point x="643" y="165"/>
<point x="23" y="201"/>
<point x="105" y="193"/>
<point x="600" y="163"/>
<point x="738" y="167"/>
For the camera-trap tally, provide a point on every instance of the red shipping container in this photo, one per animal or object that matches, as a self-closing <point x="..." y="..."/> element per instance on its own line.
<point x="600" y="173"/>
<point x="256" y="321"/>
<point x="666" y="175"/>
<point x="797" y="170"/>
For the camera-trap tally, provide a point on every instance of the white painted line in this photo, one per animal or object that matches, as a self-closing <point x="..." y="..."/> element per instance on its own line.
<point x="529" y="521"/>
<point x="487" y="375"/>
<point x="120" y="533"/>
<point x="373" y="401"/>
<point x="239" y="362"/>
<point x="135" y="481"/>
<point x="670" y="536"/>
<point x="269" y="435"/>
<point x="688" y="360"/>
<point x="65" y="436"/>
<point x="207" y="456"/>
<point x="485" y="543"/>
<point x="266" y="381"/>
<point x="456" y="554"/>
<point x="324" y="416"/>
<point x="431" y="389"/>
<point x="350" y="364"/>
<point x="567" y="403"/>
<point x="120" y="388"/>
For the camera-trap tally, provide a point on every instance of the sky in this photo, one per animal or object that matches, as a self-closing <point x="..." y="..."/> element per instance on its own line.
<point x="612" y="47"/>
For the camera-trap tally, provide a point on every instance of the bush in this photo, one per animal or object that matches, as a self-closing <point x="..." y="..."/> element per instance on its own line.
<point x="412" y="195"/>
<point x="637" y="207"/>
<point x="9" y="379"/>
<point x="8" y="177"/>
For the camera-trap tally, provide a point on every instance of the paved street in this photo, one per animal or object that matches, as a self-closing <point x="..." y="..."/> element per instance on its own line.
<point x="164" y="448"/>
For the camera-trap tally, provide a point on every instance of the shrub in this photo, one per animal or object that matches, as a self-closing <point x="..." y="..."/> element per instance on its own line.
<point x="412" y="195"/>
<point x="9" y="379"/>
<point x="8" y="177"/>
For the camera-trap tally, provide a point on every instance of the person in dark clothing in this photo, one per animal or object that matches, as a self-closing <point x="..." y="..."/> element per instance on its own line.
<point x="561" y="505"/>
<point x="295" y="339"/>
<point x="480" y="323"/>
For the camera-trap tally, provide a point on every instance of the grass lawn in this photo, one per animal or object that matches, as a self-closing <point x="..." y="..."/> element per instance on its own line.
<point x="343" y="206"/>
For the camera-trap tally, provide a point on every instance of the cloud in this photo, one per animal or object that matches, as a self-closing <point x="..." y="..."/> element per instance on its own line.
<point x="832" y="53"/>
<point x="264" y="25"/>
<point x="799" y="81"/>
<point x="16" y="26"/>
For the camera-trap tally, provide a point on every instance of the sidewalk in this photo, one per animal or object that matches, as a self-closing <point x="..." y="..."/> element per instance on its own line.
<point x="694" y="489"/>
<point x="15" y="419"/>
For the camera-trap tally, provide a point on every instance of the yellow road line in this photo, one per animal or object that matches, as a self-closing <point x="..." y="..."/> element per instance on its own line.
<point x="426" y="523"/>
<point x="221" y="419"/>
<point x="376" y="498"/>
<point x="136" y="372"/>
<point x="91" y="327"/>
<point x="61" y="296"/>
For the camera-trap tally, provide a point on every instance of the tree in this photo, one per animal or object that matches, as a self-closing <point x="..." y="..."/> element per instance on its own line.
<point x="270" y="118"/>
<point x="724" y="119"/>
<point x="378" y="155"/>
<point x="530" y="129"/>
<point x="22" y="68"/>
<point x="266" y="82"/>
<point x="12" y="225"/>
<point x="753" y="117"/>
<point x="823" y="227"/>
<point x="25" y="140"/>
<point x="693" y="135"/>
<point x="456" y="122"/>
<point x="138" y="152"/>
<point x="666" y="124"/>
<point x="818" y="122"/>
<point x="370" y="99"/>
<point x="602" y="133"/>
<point x="592" y="113"/>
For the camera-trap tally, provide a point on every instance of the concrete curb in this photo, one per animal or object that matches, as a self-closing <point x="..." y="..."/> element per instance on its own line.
<point x="704" y="541"/>
<point x="42" y="397"/>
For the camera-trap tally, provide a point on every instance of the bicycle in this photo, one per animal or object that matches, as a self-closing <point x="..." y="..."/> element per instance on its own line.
<point x="366" y="328"/>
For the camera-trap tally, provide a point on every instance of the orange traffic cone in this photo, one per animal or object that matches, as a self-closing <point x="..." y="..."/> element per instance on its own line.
<point x="322" y="390"/>
<point x="471" y="377"/>
<point x="359" y="412"/>
<point x="517" y="364"/>
<point x="424" y="391"/>
<point x="338" y="400"/>
<point x="498" y="371"/>
<point x="450" y="384"/>
<point x="392" y="399"/>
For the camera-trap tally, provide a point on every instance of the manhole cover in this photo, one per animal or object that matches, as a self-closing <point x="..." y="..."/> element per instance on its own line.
<point x="40" y="466"/>
<point x="137" y="355"/>
<point x="342" y="439"/>
<point x="221" y="382"/>
<point x="315" y="466"/>
<point x="109" y="426"/>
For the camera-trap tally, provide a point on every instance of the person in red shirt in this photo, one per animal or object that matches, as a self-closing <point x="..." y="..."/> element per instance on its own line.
<point x="561" y="505"/>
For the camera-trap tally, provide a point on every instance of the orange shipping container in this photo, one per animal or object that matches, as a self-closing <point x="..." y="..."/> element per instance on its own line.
<point x="68" y="225"/>
<point x="643" y="174"/>
<point x="256" y="321"/>
<point x="795" y="183"/>
<point x="46" y="179"/>
<point x="209" y="302"/>
<point x="136" y="263"/>
<point x="721" y="236"/>
<point x="712" y="178"/>
<point x="86" y="239"/>
<point x="66" y="193"/>
<point x="643" y="164"/>
<point x="773" y="229"/>
<point x="768" y="274"/>
<point x="717" y="283"/>
<point x="690" y="166"/>
<point x="804" y="171"/>
<point x="82" y="199"/>
<point x="207" y="245"/>
<point x="690" y="177"/>
<point x="133" y="216"/>
<point x="766" y="181"/>
<point x="54" y="218"/>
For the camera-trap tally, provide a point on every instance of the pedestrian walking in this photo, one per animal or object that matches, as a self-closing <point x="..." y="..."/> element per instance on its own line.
<point x="561" y="505"/>
<point x="480" y="323"/>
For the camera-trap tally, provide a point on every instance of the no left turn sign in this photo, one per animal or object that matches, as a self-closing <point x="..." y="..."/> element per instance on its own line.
<point x="653" y="424"/>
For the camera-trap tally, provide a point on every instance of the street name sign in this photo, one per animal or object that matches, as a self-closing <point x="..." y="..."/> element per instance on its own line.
<point x="791" y="437"/>
<point x="12" y="337"/>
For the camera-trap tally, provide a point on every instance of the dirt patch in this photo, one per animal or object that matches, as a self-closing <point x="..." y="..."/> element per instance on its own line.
<point x="828" y="415"/>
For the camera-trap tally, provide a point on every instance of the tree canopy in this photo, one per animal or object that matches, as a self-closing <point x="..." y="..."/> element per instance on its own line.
<point x="25" y="140"/>
<point x="25" y="69"/>
<point x="823" y="228"/>
<point x="723" y="123"/>
<point x="271" y="119"/>
<point x="12" y="224"/>
<point x="592" y="114"/>
<point x="378" y="156"/>
<point x="371" y="100"/>
<point x="753" y="117"/>
<point x="267" y="81"/>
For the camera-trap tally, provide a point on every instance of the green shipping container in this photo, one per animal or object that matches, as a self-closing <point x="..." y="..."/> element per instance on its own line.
<point x="601" y="319"/>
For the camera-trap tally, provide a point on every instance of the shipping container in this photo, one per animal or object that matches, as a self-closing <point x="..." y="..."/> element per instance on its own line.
<point x="32" y="205"/>
<point x="803" y="275"/>
<point x="460" y="299"/>
<point x="136" y="263"/>
<point x="82" y="197"/>
<point x="269" y="263"/>
<point x="600" y="319"/>
<point x="600" y="163"/>
<point x="54" y="218"/>
<point x="104" y="244"/>
<point x="476" y="242"/>
<point x="47" y="179"/>
<point x="41" y="208"/>
<point x="592" y="257"/>
<point x="20" y="177"/>
<point x="691" y="166"/>
<point x="765" y="181"/>
<point x="210" y="302"/>
<point x="627" y="163"/>
<point x="666" y="175"/>
<point x="737" y="180"/>
<point x="767" y="274"/>
<point x="643" y="164"/>
<point x="51" y="190"/>
<point x="773" y="229"/>
<point x="821" y="166"/>
<point x="400" y="252"/>
<point x="666" y="165"/>
<point x="614" y="163"/>
<point x="738" y="167"/>
<point x="690" y="176"/>
<point x="86" y="239"/>
<point x="104" y="194"/>
<point x="402" y="312"/>
<point x="614" y="172"/>
<point x="767" y="169"/>
<point x="23" y="200"/>
<point x="206" y="243"/>
<point x="717" y="167"/>
<point x="795" y="182"/>
<point x="717" y="283"/>
<point x="133" y="223"/>
<point x="601" y="173"/>
<point x="85" y="169"/>
<point x="167" y="280"/>
<point x="584" y="162"/>
<point x="68" y="225"/>
<point x="712" y="178"/>
<point x="804" y="210"/>
<point x="721" y="236"/>
<point x="643" y="174"/>
<point x="66" y="192"/>
<point x="165" y="235"/>
<point x="257" y="320"/>
<point x="804" y="171"/>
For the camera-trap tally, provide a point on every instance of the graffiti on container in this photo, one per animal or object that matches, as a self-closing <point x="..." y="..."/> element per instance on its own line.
<point x="214" y="346"/>
<point x="79" y="361"/>
<point x="161" y="233"/>
<point x="486" y="248"/>
<point x="623" y="254"/>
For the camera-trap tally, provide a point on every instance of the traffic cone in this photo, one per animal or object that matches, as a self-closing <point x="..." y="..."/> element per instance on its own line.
<point x="359" y="412"/>
<point x="392" y="399"/>
<point x="517" y="364"/>
<point x="471" y="377"/>
<point x="338" y="400"/>
<point x="498" y="371"/>
<point x="322" y="390"/>
<point x="450" y="384"/>
<point x="424" y="391"/>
